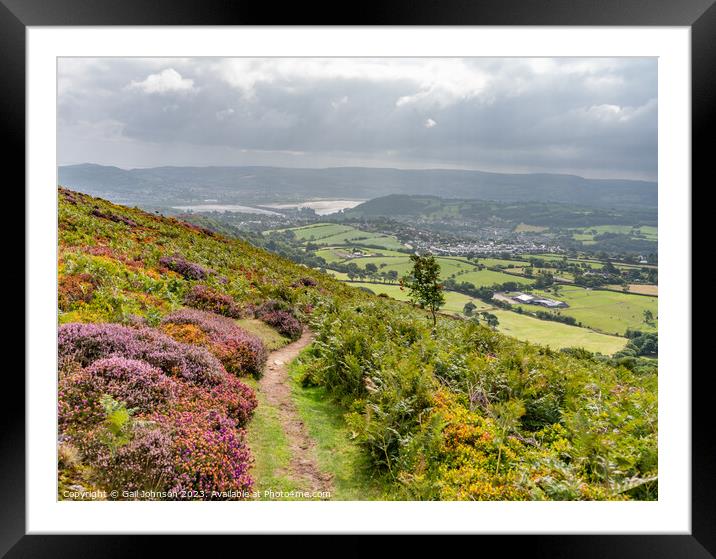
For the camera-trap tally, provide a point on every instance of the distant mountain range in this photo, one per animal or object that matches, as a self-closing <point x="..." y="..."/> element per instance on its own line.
<point x="255" y="185"/>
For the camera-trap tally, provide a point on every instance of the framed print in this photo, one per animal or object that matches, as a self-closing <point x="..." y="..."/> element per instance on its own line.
<point x="396" y="275"/>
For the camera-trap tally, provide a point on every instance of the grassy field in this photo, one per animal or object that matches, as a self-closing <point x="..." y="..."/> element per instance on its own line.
<point x="336" y="254"/>
<point x="647" y="232"/>
<point x="482" y="278"/>
<point x="607" y="311"/>
<point x="361" y="237"/>
<point x="526" y="228"/>
<point x="543" y="332"/>
<point x="319" y="231"/>
<point x="338" y="275"/>
<point x="555" y="334"/>
<point x="403" y="265"/>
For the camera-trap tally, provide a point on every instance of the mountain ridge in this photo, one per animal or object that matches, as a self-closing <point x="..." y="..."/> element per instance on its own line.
<point x="257" y="184"/>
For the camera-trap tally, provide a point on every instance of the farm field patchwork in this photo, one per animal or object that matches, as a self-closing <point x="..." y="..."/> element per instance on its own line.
<point x="459" y="269"/>
<point x="332" y="234"/>
<point x="454" y="302"/>
<point x="606" y="311"/>
<point x="543" y="332"/>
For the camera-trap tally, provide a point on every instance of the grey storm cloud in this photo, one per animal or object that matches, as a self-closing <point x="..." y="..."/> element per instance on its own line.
<point x="594" y="117"/>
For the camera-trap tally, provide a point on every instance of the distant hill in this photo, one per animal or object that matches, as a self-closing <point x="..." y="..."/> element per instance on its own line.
<point x="173" y="185"/>
<point x="547" y="214"/>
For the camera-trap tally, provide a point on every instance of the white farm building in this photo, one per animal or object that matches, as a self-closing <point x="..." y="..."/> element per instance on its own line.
<point x="532" y="300"/>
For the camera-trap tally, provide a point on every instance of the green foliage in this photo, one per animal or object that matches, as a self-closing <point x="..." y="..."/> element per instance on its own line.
<point x="117" y="423"/>
<point x="424" y="285"/>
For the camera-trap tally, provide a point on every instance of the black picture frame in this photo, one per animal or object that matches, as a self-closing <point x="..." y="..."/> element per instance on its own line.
<point x="699" y="15"/>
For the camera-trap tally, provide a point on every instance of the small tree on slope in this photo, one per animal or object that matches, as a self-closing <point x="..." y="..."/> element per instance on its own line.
<point x="424" y="285"/>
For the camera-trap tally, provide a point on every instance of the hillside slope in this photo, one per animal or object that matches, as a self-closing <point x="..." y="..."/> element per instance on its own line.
<point x="154" y="343"/>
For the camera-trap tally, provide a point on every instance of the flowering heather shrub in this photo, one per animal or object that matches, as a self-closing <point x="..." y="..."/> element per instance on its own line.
<point x="284" y="322"/>
<point x="75" y="407"/>
<point x="113" y="217"/>
<point x="69" y="196"/>
<point x="86" y="343"/>
<point x="237" y="399"/>
<point x="189" y="270"/>
<point x="210" y="455"/>
<point x="205" y="298"/>
<point x="305" y="282"/>
<point x="270" y="306"/>
<point x="109" y="252"/>
<point x="239" y="351"/>
<point x="136" y="383"/>
<point x="279" y="315"/>
<point x="146" y="462"/>
<point x="231" y="397"/>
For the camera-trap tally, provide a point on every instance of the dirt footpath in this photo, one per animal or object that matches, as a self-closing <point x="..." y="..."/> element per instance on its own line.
<point x="275" y="386"/>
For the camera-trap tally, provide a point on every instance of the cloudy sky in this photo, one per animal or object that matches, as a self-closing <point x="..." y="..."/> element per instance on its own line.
<point x="593" y="117"/>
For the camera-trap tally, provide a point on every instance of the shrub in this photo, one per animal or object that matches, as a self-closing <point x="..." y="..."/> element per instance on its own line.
<point x="113" y="217"/>
<point x="145" y="462"/>
<point x="75" y="288"/>
<point x="86" y="343"/>
<point x="284" y="323"/>
<point x="231" y="397"/>
<point x="278" y="315"/>
<point x="270" y="306"/>
<point x="204" y="298"/>
<point x="305" y="282"/>
<point x="136" y="383"/>
<point x="190" y="270"/>
<point x="210" y="456"/>
<point x="239" y="351"/>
